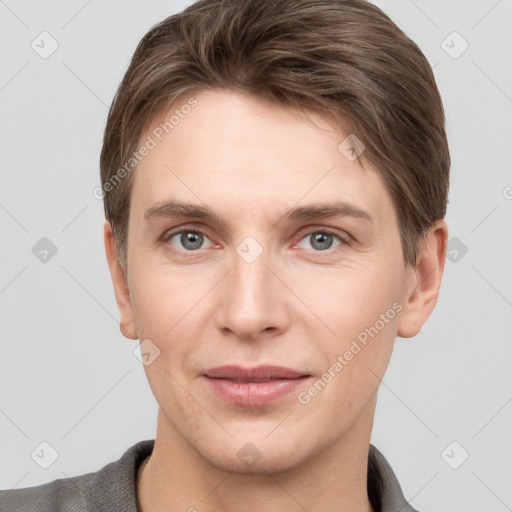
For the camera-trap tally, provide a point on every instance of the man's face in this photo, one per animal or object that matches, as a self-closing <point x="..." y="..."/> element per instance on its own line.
<point x="262" y="286"/>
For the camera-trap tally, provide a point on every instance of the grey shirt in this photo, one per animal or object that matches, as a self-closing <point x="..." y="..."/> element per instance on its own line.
<point x="112" y="488"/>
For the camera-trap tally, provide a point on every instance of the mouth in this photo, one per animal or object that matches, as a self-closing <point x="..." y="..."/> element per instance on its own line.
<point x="255" y="386"/>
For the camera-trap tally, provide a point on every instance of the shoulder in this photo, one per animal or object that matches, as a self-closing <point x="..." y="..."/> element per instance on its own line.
<point x="111" y="488"/>
<point x="59" y="495"/>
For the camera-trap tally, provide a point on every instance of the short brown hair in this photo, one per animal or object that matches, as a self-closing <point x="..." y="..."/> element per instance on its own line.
<point x="342" y="58"/>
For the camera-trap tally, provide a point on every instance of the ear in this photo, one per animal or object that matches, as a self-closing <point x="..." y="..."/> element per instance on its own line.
<point x="425" y="281"/>
<point x="127" y="324"/>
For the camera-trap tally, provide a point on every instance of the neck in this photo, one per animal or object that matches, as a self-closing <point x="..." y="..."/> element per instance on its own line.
<point x="175" y="477"/>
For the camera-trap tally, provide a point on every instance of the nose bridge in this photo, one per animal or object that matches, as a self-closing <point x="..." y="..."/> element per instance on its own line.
<point x="253" y="300"/>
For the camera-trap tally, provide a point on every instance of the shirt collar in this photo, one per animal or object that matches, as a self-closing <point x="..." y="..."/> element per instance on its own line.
<point x="384" y="489"/>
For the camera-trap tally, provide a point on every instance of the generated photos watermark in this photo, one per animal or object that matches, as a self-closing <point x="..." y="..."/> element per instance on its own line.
<point x="358" y="343"/>
<point x="144" y="149"/>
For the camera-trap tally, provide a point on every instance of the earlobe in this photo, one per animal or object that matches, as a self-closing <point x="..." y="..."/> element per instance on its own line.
<point x="426" y="275"/>
<point x="122" y="293"/>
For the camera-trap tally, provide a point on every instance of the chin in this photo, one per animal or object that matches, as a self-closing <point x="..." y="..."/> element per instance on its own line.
<point x="267" y="464"/>
<point x="258" y="457"/>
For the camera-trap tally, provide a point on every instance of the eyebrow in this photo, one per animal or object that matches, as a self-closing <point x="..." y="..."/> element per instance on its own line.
<point x="171" y="209"/>
<point x="325" y="210"/>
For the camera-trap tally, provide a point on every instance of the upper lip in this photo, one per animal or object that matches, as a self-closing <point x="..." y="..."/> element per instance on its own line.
<point x="255" y="374"/>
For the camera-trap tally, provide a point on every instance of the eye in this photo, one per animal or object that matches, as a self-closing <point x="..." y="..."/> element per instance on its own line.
<point x="190" y="239"/>
<point x="194" y="239"/>
<point x="321" y="240"/>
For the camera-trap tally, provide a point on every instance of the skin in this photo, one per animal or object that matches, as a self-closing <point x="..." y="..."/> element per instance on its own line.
<point x="296" y="305"/>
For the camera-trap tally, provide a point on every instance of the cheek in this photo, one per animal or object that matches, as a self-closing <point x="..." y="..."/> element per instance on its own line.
<point x="169" y="312"/>
<point x="351" y="299"/>
<point x="361" y="306"/>
<point x="355" y="361"/>
<point x="161" y="296"/>
<point x="170" y="308"/>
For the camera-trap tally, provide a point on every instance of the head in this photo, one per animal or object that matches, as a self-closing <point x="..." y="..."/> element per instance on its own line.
<point x="275" y="179"/>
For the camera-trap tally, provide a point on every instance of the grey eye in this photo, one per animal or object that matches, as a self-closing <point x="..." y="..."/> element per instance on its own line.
<point x="189" y="240"/>
<point x="320" y="240"/>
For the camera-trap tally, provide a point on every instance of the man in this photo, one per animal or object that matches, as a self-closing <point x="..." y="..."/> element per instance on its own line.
<point x="275" y="179"/>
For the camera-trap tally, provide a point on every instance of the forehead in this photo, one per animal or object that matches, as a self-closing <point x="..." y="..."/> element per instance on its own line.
<point x="245" y="155"/>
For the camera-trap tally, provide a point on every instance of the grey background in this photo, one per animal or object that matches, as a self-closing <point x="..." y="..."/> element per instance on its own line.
<point x="67" y="375"/>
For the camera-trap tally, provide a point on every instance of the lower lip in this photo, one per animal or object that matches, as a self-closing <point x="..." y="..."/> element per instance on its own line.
<point x="253" y="393"/>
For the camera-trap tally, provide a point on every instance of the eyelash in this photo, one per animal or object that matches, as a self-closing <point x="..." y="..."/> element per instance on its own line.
<point x="328" y="231"/>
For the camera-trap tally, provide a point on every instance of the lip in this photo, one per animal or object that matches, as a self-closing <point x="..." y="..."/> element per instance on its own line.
<point x="255" y="386"/>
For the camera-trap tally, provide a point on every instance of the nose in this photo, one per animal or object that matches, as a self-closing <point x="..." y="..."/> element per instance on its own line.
<point x="254" y="300"/>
